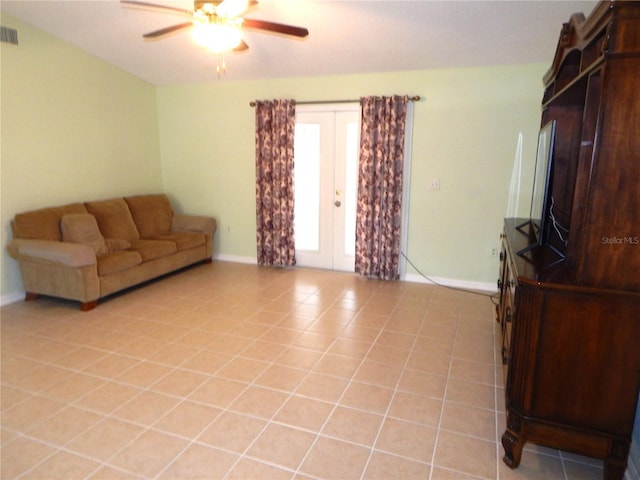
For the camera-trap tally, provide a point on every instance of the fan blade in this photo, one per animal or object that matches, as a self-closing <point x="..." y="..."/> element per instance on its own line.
<point x="242" y="47"/>
<point x="135" y="3"/>
<point x="164" y="31"/>
<point x="275" y="27"/>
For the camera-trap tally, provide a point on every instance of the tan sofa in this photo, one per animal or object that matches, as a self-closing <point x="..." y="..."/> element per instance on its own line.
<point x="86" y="251"/>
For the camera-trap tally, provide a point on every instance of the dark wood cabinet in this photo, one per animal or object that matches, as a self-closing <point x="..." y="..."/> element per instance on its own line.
<point x="573" y="359"/>
<point x="591" y="91"/>
<point x="571" y="322"/>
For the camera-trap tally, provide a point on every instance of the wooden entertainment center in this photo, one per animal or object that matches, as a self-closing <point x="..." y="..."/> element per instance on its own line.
<point x="570" y="305"/>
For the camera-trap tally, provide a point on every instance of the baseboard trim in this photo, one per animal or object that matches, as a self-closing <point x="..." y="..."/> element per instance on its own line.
<point x="445" y="282"/>
<point x="453" y="283"/>
<point x="12" y="297"/>
<point x="236" y="259"/>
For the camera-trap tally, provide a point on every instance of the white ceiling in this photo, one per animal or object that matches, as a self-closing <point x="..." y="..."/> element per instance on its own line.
<point x="345" y="37"/>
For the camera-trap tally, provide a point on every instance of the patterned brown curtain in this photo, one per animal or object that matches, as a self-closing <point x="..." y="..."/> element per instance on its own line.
<point x="275" y="127"/>
<point x="379" y="210"/>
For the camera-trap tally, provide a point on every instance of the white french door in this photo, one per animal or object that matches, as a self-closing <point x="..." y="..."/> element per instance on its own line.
<point x="326" y="178"/>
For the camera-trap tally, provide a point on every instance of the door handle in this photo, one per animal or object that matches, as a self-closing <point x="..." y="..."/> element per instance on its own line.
<point x="337" y="203"/>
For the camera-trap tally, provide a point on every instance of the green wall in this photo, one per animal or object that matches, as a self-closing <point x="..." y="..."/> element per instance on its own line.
<point x="465" y="133"/>
<point x="73" y="128"/>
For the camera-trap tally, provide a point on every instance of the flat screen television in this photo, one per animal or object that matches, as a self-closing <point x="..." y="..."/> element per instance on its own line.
<point x="540" y="197"/>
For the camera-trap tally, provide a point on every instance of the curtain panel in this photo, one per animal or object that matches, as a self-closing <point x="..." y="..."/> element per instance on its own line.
<point x="380" y="179"/>
<point x="275" y="127"/>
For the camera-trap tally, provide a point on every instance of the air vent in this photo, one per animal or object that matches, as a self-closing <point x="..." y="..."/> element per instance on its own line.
<point x="9" y="35"/>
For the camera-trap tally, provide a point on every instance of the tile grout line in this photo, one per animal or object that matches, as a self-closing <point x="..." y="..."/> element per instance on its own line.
<point x="337" y="401"/>
<point x="270" y="421"/>
<point x="395" y="389"/>
<point x="183" y="399"/>
<point x="444" y="396"/>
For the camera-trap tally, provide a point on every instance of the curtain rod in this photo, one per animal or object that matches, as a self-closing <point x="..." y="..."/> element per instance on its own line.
<point x="415" y="98"/>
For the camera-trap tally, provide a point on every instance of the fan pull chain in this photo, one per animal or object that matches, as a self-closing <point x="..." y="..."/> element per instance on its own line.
<point x="221" y="67"/>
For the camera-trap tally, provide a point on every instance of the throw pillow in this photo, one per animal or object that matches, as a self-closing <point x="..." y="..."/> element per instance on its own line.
<point x="82" y="228"/>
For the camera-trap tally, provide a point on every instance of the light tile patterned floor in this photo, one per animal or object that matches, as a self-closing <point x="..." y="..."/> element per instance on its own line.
<point x="234" y="371"/>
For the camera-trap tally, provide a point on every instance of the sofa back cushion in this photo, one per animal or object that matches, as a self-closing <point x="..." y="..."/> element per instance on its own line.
<point x="151" y="213"/>
<point x="43" y="224"/>
<point x="114" y="218"/>
<point x="83" y="228"/>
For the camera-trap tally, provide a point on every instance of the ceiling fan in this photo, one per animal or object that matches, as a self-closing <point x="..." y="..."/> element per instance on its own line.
<point x="218" y="24"/>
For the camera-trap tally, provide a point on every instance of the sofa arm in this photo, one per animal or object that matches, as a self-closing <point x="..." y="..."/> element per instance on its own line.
<point x="49" y="251"/>
<point x="193" y="223"/>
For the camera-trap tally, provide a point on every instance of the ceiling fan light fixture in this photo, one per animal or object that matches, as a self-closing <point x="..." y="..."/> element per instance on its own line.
<point x="232" y="8"/>
<point x="219" y="37"/>
<point x="217" y="25"/>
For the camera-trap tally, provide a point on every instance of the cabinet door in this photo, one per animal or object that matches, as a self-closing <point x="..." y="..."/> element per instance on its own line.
<point x="576" y="359"/>
<point x="604" y="240"/>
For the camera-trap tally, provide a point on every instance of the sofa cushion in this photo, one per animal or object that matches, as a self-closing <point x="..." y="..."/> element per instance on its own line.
<point x="83" y="228"/>
<point x="150" y="249"/>
<point x="118" y="261"/>
<point x="151" y="213"/>
<point x="114" y="218"/>
<point x="43" y="224"/>
<point x="183" y="240"/>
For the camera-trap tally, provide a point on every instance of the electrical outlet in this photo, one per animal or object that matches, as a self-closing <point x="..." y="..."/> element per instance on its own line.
<point x="494" y="252"/>
<point x="434" y="184"/>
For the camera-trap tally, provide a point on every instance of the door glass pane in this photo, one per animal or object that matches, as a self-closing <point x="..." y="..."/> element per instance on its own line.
<point x="351" y="189"/>
<point x="307" y="182"/>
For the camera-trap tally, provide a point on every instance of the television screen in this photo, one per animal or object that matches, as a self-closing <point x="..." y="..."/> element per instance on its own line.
<point x="541" y="180"/>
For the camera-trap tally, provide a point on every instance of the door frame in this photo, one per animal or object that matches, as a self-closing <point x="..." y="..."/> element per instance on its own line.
<point x="327" y="195"/>
<point x="408" y="149"/>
